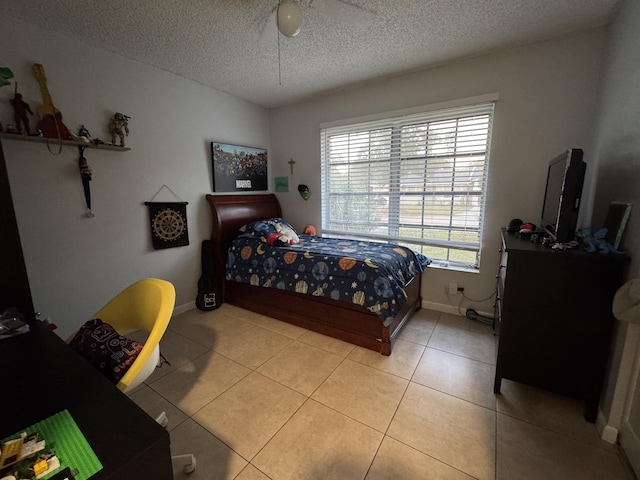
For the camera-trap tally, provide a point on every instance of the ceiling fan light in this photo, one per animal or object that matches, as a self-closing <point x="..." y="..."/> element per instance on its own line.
<point x="289" y="18"/>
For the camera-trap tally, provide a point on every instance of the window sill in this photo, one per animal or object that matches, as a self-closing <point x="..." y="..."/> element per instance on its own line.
<point x="455" y="268"/>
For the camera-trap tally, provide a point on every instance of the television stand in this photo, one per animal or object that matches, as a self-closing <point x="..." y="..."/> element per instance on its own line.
<point x="554" y="319"/>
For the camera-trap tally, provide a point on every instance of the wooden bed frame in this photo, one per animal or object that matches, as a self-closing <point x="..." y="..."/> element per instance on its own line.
<point x="343" y="320"/>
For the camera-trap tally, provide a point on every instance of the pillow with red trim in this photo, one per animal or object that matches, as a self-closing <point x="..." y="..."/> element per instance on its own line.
<point x="104" y="348"/>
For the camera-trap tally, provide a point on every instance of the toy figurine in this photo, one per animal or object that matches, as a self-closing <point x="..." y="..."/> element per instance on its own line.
<point x="5" y="75"/>
<point x="83" y="132"/>
<point x="119" y="127"/>
<point x="20" y="109"/>
<point x="82" y="136"/>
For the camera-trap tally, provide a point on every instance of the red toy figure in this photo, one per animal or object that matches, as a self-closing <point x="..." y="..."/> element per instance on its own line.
<point x="20" y="109"/>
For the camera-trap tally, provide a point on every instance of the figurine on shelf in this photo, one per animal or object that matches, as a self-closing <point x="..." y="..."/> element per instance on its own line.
<point x="20" y="109"/>
<point x="77" y="138"/>
<point x="119" y="127"/>
<point x="5" y="75"/>
<point x="83" y="132"/>
<point x="82" y="136"/>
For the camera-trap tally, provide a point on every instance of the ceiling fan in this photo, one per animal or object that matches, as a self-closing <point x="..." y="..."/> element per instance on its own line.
<point x="288" y="15"/>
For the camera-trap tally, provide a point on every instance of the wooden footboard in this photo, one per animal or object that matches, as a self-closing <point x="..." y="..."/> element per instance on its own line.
<point x="342" y="320"/>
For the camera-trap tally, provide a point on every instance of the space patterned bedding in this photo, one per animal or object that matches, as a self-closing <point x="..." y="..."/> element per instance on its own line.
<point x="370" y="274"/>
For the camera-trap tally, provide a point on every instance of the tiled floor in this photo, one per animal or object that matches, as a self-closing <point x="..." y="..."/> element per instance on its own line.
<point x="254" y="398"/>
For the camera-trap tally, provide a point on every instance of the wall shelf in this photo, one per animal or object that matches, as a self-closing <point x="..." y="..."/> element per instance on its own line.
<point x="54" y="142"/>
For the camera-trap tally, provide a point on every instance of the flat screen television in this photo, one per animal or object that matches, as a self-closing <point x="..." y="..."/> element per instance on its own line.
<point x="563" y="190"/>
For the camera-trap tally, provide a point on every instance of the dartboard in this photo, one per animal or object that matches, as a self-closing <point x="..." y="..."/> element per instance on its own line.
<point x="168" y="224"/>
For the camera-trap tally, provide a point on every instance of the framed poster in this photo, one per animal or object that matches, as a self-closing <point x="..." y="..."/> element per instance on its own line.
<point x="237" y="168"/>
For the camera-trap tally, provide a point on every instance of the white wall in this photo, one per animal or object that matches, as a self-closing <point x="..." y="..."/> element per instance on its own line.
<point x="547" y="103"/>
<point x="75" y="264"/>
<point x="617" y="142"/>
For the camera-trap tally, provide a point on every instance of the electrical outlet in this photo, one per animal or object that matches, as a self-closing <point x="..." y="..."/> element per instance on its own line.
<point x="453" y="288"/>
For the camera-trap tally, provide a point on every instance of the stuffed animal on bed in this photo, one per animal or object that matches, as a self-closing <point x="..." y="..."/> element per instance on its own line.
<point x="284" y="236"/>
<point x="288" y="232"/>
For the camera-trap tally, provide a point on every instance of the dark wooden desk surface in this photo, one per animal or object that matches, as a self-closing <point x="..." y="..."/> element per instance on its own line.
<point x="41" y="376"/>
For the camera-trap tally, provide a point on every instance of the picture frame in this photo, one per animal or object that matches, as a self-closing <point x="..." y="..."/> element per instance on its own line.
<point x="281" y="184"/>
<point x="238" y="168"/>
<point x="616" y="221"/>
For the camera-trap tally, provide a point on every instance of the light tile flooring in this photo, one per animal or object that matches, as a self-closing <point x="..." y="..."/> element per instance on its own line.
<point x="254" y="398"/>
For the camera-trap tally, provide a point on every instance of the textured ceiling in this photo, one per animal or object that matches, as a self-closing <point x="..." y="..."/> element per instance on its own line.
<point x="232" y="46"/>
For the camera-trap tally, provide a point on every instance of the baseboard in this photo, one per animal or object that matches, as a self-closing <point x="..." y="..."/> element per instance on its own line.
<point x="438" y="307"/>
<point x="446" y="308"/>
<point x="607" y="432"/>
<point x="631" y="445"/>
<point x="441" y="307"/>
<point x="184" y="308"/>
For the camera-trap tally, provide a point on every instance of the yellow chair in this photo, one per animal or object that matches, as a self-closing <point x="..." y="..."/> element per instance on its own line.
<point x="145" y="305"/>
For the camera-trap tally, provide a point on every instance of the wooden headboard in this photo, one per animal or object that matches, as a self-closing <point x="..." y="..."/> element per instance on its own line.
<point x="230" y="212"/>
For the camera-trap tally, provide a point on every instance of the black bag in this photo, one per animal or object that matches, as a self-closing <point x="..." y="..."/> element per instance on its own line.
<point x="209" y="295"/>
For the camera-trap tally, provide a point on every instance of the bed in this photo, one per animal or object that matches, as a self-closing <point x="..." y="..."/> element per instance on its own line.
<point x="340" y="319"/>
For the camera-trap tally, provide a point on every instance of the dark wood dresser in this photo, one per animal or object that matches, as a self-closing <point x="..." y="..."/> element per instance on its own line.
<point x="554" y="319"/>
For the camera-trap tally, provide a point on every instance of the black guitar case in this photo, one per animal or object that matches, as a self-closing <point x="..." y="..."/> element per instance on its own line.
<point x="209" y="295"/>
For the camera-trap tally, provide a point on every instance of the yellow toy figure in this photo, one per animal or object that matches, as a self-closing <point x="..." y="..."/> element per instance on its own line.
<point x="119" y="127"/>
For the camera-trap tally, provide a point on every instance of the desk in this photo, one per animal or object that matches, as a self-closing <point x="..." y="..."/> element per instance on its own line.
<point x="41" y="376"/>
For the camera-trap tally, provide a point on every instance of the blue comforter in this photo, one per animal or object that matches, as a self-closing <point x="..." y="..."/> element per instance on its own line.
<point x="370" y="274"/>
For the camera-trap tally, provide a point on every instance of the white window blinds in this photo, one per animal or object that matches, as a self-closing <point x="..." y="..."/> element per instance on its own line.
<point x="417" y="179"/>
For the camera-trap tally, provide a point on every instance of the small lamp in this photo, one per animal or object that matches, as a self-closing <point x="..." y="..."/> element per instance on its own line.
<point x="289" y="18"/>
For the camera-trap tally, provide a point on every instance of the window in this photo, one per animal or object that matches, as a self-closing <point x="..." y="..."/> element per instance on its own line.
<point x="417" y="179"/>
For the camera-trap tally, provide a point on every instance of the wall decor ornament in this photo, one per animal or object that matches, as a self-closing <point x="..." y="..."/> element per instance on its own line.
<point x="282" y="184"/>
<point x="168" y="222"/>
<point x="237" y="168"/>
<point x="304" y="191"/>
